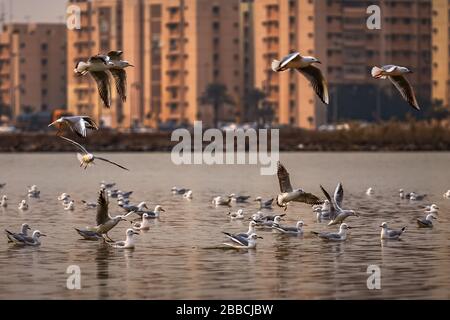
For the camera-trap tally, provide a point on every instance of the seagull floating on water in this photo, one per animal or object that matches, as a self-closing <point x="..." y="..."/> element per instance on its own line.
<point x="238" y="215"/>
<point x="151" y="214"/>
<point x="447" y="194"/>
<point x="264" y="204"/>
<point x="396" y="74"/>
<point x="144" y="224"/>
<point x="432" y="209"/>
<point x="289" y="194"/>
<point x="267" y="223"/>
<point x="87" y="159"/>
<point x="2" y="185"/>
<point x="23" y="205"/>
<point x="4" y="201"/>
<point x="89" y="205"/>
<point x="78" y="124"/>
<point x="337" y="214"/>
<point x="304" y="65"/>
<point x="426" y="222"/>
<point x="297" y="230"/>
<point x="416" y="197"/>
<point x="334" y="236"/>
<point x="188" y="195"/>
<point x="33" y="192"/>
<point x="239" y="199"/>
<point x="241" y="242"/>
<point x="70" y="206"/>
<point x="245" y="235"/>
<point x="139" y="208"/>
<point x="25" y="240"/>
<point x="323" y="211"/>
<point x="178" y="190"/>
<point x="370" y="192"/>
<point x="390" y="234"/>
<point x="128" y="243"/>
<point x="221" y="201"/>
<point x="107" y="185"/>
<point x="89" y="235"/>
<point x="23" y="232"/>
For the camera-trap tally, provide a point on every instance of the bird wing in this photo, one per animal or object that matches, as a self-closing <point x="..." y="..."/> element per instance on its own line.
<point x="318" y="82"/>
<point x="98" y="58"/>
<point x="308" y="198"/>
<point x="104" y="86"/>
<point x="120" y="80"/>
<point x="76" y="144"/>
<point x="332" y="207"/>
<point x="114" y="163"/>
<point x="90" y="124"/>
<point x="236" y="238"/>
<point x="283" y="178"/>
<point x="115" y="55"/>
<point x="79" y="127"/>
<point x="102" y="208"/>
<point x="406" y="90"/>
<point x="339" y="195"/>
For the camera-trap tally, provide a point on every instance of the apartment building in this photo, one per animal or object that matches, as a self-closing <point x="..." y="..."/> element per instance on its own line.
<point x="32" y="67"/>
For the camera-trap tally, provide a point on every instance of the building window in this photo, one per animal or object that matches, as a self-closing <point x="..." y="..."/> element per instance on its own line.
<point x="44" y="47"/>
<point x="216" y="10"/>
<point x="216" y="26"/>
<point x="44" y="62"/>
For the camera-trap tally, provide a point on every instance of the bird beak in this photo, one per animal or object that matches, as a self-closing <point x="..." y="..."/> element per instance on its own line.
<point x="43" y="235"/>
<point x="381" y="226"/>
<point x="410" y="71"/>
<point x="163" y="210"/>
<point x="259" y="237"/>
<point x="130" y="65"/>
<point x="54" y="122"/>
<point x="134" y="232"/>
<point x="318" y="62"/>
<point x="350" y="227"/>
<point x="28" y="228"/>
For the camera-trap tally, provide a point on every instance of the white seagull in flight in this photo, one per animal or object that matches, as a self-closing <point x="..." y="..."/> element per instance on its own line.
<point x="397" y="76"/>
<point x="78" y="124"/>
<point x="304" y="65"/>
<point x="86" y="159"/>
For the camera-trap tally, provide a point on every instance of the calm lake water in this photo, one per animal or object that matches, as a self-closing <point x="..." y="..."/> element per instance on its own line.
<point x="174" y="260"/>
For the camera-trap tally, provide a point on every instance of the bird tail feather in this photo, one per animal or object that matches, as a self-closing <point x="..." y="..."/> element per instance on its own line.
<point x="377" y="73"/>
<point x="276" y="65"/>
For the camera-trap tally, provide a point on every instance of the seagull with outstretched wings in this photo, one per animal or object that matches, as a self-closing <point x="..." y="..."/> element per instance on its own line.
<point x="78" y="124"/>
<point x="86" y="158"/>
<point x="289" y="194"/>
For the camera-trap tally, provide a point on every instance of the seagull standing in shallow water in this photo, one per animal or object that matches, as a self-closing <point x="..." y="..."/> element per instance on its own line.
<point x="390" y="234"/>
<point x="78" y="124"/>
<point x="304" y="65"/>
<point x="86" y="159"/>
<point x="396" y="74"/>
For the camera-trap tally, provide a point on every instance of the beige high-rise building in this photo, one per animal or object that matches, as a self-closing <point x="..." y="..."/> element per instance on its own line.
<point x="32" y="67"/>
<point x="336" y="33"/>
<point x="441" y="52"/>
<point x="178" y="48"/>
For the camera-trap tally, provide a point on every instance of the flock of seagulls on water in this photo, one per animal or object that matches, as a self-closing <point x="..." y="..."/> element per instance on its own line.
<point x="102" y="67"/>
<point x="327" y="208"/>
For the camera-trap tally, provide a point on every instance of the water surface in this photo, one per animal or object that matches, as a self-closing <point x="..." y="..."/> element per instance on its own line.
<point x="174" y="260"/>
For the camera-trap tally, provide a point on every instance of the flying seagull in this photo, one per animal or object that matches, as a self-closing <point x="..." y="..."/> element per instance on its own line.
<point x="289" y="194"/>
<point x="397" y="76"/>
<point x="337" y="214"/>
<point x="118" y="72"/>
<point x="98" y="66"/>
<point x="78" y="124"/>
<point x="86" y="158"/>
<point x="304" y="65"/>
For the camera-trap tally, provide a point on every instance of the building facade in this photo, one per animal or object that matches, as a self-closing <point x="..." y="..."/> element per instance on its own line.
<point x="178" y="46"/>
<point x="32" y="67"/>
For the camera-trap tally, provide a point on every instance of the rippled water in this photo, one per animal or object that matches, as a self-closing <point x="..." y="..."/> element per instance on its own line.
<point x="174" y="260"/>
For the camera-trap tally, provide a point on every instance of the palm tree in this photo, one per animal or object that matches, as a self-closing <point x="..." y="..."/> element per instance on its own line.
<point x="216" y="95"/>
<point x="252" y="100"/>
